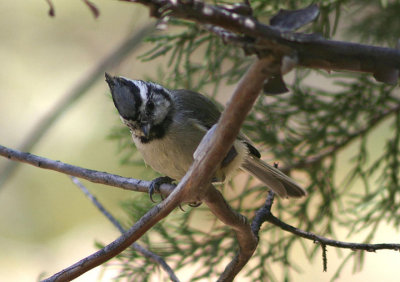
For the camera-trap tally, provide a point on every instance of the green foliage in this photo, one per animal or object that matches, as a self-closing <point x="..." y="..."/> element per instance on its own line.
<point x="312" y="130"/>
<point x="196" y="57"/>
<point x="381" y="18"/>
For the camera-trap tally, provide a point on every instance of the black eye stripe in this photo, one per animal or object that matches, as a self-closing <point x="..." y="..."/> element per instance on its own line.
<point x="150" y="105"/>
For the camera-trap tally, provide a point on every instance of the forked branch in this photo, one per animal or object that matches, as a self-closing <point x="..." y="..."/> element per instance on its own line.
<point x="194" y="186"/>
<point x="264" y="214"/>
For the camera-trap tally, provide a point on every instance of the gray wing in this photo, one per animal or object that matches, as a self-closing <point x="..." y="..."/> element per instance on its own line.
<point x="196" y="106"/>
<point x="206" y="112"/>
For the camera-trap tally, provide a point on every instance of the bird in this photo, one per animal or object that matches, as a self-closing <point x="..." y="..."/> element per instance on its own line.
<point x="168" y="125"/>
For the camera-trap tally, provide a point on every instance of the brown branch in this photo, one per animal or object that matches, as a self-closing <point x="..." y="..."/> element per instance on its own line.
<point x="76" y="92"/>
<point x="196" y="183"/>
<point x="137" y="247"/>
<point x="92" y="7"/>
<point x="51" y="8"/>
<point x="153" y="216"/>
<point x="219" y="139"/>
<point x="312" y="51"/>
<point x="193" y="187"/>
<point x="239" y="223"/>
<point x="228" y="127"/>
<point x="213" y="199"/>
<point x="240" y="104"/>
<point x="142" y="186"/>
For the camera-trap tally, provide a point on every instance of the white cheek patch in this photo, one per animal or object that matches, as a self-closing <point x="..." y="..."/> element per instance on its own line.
<point x="142" y="88"/>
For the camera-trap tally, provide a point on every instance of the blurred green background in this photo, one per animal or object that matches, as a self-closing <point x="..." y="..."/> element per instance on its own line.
<point x="46" y="223"/>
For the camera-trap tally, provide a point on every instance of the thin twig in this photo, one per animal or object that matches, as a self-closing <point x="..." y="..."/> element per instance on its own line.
<point x="97" y="204"/>
<point x="88" y="174"/>
<point x="261" y="214"/>
<point x="265" y="214"/>
<point x="76" y="92"/>
<point x="153" y="216"/>
<point x="51" y="8"/>
<point x="95" y="11"/>
<point x="146" y="253"/>
<point x="329" y="242"/>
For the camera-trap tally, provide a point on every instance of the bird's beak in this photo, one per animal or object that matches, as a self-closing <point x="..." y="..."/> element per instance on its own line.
<point x="146" y="129"/>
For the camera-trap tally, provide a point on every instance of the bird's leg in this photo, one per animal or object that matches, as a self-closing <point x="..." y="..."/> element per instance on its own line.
<point x="156" y="183"/>
<point x="155" y="187"/>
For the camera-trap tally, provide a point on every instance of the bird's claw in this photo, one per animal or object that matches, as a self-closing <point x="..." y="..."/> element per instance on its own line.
<point x="156" y="183"/>
<point x="195" y="204"/>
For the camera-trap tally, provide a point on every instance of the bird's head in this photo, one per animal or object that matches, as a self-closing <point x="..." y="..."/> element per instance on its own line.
<point x="145" y="107"/>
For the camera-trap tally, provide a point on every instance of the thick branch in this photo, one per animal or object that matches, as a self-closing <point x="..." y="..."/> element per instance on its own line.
<point x="228" y="127"/>
<point x="219" y="140"/>
<point x="311" y="50"/>
<point x="194" y="185"/>
<point x="116" y="247"/>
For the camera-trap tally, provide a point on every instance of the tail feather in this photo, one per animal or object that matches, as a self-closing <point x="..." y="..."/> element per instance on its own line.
<point x="273" y="178"/>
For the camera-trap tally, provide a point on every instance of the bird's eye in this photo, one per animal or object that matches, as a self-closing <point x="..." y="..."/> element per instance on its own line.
<point x="150" y="106"/>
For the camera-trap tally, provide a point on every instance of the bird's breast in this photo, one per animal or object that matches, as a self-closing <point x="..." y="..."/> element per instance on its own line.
<point x="171" y="155"/>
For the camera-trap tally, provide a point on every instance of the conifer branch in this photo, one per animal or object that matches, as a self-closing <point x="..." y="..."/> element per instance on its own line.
<point x="310" y="50"/>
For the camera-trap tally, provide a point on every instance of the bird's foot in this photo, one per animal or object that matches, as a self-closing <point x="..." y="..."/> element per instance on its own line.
<point x="195" y="204"/>
<point x="156" y="183"/>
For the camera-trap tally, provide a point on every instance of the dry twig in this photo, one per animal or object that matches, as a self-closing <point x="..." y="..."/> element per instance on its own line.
<point x="137" y="247"/>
